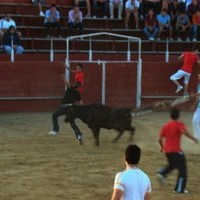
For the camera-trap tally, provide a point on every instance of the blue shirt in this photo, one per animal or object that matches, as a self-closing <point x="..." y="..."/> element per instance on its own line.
<point x="54" y="18"/>
<point x="163" y="19"/>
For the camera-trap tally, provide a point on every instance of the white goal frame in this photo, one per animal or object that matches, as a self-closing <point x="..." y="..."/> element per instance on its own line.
<point x="138" y="61"/>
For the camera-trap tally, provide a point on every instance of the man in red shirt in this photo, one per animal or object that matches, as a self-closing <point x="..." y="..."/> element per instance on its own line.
<point x="78" y="77"/>
<point x="170" y="140"/>
<point x="189" y="59"/>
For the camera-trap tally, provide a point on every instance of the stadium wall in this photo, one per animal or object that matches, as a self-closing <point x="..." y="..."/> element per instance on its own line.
<point x="38" y="86"/>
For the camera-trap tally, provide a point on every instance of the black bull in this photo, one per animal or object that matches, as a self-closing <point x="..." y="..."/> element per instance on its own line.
<point x="98" y="116"/>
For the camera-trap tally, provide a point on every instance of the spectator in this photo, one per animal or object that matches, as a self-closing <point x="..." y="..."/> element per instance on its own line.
<point x="192" y="8"/>
<point x="52" y="20"/>
<point x="182" y="24"/>
<point x="11" y="41"/>
<point x="132" y="183"/>
<point x="88" y="6"/>
<point x="163" y="20"/>
<point x="195" y="26"/>
<point x="5" y="23"/>
<point x="156" y="5"/>
<point x="119" y="5"/>
<point x="39" y="3"/>
<point x="103" y="5"/>
<point x="132" y="6"/>
<point x="150" y="28"/>
<point x="75" y="20"/>
<point x="174" y="11"/>
<point x="170" y="140"/>
<point x="165" y="4"/>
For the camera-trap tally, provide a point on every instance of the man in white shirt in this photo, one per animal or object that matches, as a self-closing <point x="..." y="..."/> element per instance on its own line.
<point x="75" y="20"/>
<point x="5" y="23"/>
<point x="132" y="183"/>
<point x="132" y="7"/>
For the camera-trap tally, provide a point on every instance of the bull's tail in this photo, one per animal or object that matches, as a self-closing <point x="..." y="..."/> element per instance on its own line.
<point x="163" y="105"/>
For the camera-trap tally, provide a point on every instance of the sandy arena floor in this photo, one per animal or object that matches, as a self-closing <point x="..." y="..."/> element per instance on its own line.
<point x="36" y="166"/>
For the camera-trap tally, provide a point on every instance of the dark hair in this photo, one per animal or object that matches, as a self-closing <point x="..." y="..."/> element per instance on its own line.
<point x="53" y="5"/>
<point x="174" y="113"/>
<point x="132" y="154"/>
<point x="164" y="10"/>
<point x="11" y="27"/>
<point x="80" y="65"/>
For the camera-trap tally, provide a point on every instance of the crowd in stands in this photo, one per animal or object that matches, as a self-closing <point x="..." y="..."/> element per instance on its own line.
<point x="181" y="19"/>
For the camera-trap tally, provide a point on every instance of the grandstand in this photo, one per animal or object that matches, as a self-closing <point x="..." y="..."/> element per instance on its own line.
<point x="32" y="82"/>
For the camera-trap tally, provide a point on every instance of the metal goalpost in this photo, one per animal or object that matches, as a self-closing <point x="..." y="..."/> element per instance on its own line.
<point x="138" y="61"/>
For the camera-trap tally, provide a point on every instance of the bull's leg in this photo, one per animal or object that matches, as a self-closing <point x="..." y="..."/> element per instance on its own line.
<point x="96" y="132"/>
<point x="118" y="136"/>
<point x="132" y="131"/>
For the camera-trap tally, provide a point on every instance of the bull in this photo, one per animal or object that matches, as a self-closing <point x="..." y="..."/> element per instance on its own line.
<point x="98" y="116"/>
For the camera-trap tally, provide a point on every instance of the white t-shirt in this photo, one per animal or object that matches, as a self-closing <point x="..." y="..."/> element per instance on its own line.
<point x="134" y="183"/>
<point x="4" y="24"/>
<point x="129" y="5"/>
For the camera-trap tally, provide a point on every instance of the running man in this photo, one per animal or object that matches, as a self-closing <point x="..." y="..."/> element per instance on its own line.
<point x="196" y="117"/>
<point x="170" y="140"/>
<point x="189" y="59"/>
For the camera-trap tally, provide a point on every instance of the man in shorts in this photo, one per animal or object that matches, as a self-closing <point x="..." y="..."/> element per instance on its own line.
<point x="39" y="3"/>
<point x="189" y="59"/>
<point x="132" y="7"/>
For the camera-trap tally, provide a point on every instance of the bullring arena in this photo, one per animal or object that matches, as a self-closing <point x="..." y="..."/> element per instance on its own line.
<point x="35" y="165"/>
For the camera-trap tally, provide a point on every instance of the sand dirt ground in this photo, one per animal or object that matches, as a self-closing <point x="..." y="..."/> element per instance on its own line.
<point x="36" y="166"/>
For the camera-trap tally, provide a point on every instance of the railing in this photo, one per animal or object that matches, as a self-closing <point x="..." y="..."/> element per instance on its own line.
<point x="103" y="62"/>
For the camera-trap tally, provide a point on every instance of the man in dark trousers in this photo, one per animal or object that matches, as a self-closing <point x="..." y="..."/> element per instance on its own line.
<point x="72" y="95"/>
<point x="169" y="140"/>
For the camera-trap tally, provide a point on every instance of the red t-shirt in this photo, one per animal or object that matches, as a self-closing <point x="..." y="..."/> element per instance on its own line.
<point x="171" y="132"/>
<point x="189" y="59"/>
<point x="79" y="77"/>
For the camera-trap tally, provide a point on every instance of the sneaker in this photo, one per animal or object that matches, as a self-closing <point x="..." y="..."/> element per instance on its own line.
<point x="126" y="27"/>
<point x="194" y="40"/>
<point x="94" y="17"/>
<point x="184" y="192"/>
<point x="41" y="14"/>
<point x="161" y="179"/>
<point x="179" y="39"/>
<point x="186" y="94"/>
<point x="111" y="17"/>
<point x="105" y="17"/>
<point x="158" y="39"/>
<point x="88" y="15"/>
<point x="119" y="17"/>
<point x="188" y="39"/>
<point x="179" y="88"/>
<point x="52" y="132"/>
<point x="48" y="36"/>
